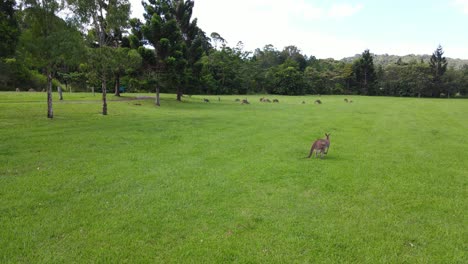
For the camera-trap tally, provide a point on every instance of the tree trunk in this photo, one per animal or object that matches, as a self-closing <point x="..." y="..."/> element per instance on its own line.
<point x="50" y="112"/>
<point x="179" y="94"/>
<point x="117" y="85"/>
<point x="59" y="90"/>
<point x="104" y="92"/>
<point x="157" y="96"/>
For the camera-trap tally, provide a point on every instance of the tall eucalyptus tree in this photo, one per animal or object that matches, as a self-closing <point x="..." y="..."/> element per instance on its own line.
<point x="108" y="19"/>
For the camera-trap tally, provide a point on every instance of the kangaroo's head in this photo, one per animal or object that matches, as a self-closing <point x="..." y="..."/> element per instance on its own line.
<point x="328" y="136"/>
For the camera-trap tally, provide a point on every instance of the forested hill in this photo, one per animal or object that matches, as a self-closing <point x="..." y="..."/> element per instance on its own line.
<point x="386" y="59"/>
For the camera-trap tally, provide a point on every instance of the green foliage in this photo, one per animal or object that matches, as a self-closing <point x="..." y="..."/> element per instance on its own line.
<point x="364" y="73"/>
<point x="9" y="29"/>
<point x="413" y="79"/>
<point x="47" y="42"/>
<point x="177" y="40"/>
<point x="186" y="60"/>
<point x="438" y="65"/>
<point x="286" y="79"/>
<point x="223" y="72"/>
<point x="385" y="60"/>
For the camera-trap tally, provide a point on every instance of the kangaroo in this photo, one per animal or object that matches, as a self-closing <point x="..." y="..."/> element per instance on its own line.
<point x="320" y="145"/>
<point x="206" y="100"/>
<point x="318" y="101"/>
<point x="244" y="101"/>
<point x="275" y="101"/>
<point x="346" y="100"/>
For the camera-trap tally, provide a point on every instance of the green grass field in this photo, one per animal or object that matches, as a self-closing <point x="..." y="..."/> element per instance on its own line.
<point x="222" y="182"/>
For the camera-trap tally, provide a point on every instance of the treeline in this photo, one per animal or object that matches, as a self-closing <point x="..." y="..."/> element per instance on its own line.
<point x="100" y="48"/>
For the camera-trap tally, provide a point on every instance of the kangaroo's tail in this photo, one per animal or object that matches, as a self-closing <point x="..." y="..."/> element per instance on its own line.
<point x="312" y="149"/>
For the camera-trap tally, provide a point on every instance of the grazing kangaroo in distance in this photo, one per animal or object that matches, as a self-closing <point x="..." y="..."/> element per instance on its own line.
<point x="206" y="100"/>
<point x="244" y="101"/>
<point x="346" y="100"/>
<point x="275" y="101"/>
<point x="320" y="145"/>
<point x="318" y="101"/>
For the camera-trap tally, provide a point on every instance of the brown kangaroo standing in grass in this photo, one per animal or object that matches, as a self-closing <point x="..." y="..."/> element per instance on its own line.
<point x="320" y="145"/>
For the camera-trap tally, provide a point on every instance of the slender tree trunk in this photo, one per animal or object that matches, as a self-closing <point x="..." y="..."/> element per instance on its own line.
<point x="117" y="85"/>
<point x="50" y="112"/>
<point x="158" y="103"/>
<point x="59" y="90"/>
<point x="104" y="93"/>
<point x="179" y="94"/>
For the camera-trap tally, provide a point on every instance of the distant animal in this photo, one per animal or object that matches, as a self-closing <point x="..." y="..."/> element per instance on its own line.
<point x="18" y="90"/>
<point x="137" y="104"/>
<point x="350" y="101"/>
<point x="267" y="100"/>
<point x="261" y="99"/>
<point x="303" y="102"/>
<point x="318" y="101"/>
<point x="320" y="146"/>
<point x="244" y="101"/>
<point x="237" y="100"/>
<point x="275" y="101"/>
<point x="206" y="100"/>
<point x="346" y="100"/>
<point x="219" y="99"/>
<point x="31" y="90"/>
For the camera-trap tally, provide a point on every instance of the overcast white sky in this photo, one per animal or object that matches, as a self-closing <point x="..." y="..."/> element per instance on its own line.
<point x="337" y="29"/>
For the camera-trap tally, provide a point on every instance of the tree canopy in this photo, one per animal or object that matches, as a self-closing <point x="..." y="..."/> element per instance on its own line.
<point x="99" y="47"/>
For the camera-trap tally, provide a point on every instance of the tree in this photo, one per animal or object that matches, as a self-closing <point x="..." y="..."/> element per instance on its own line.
<point x="364" y="72"/>
<point x="124" y="60"/>
<point x="216" y="38"/>
<point x="264" y="60"/>
<point x="108" y="18"/>
<point x="177" y="40"/>
<point x="286" y="79"/>
<point x="293" y="53"/>
<point x="9" y="29"/>
<point x="9" y="35"/>
<point x="49" y="41"/>
<point x="226" y="71"/>
<point x="438" y="65"/>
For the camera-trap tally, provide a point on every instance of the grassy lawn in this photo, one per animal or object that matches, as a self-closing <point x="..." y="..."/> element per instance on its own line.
<point x="218" y="182"/>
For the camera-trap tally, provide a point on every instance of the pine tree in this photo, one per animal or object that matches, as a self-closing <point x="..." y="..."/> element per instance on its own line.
<point x="364" y="72"/>
<point x="438" y="65"/>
